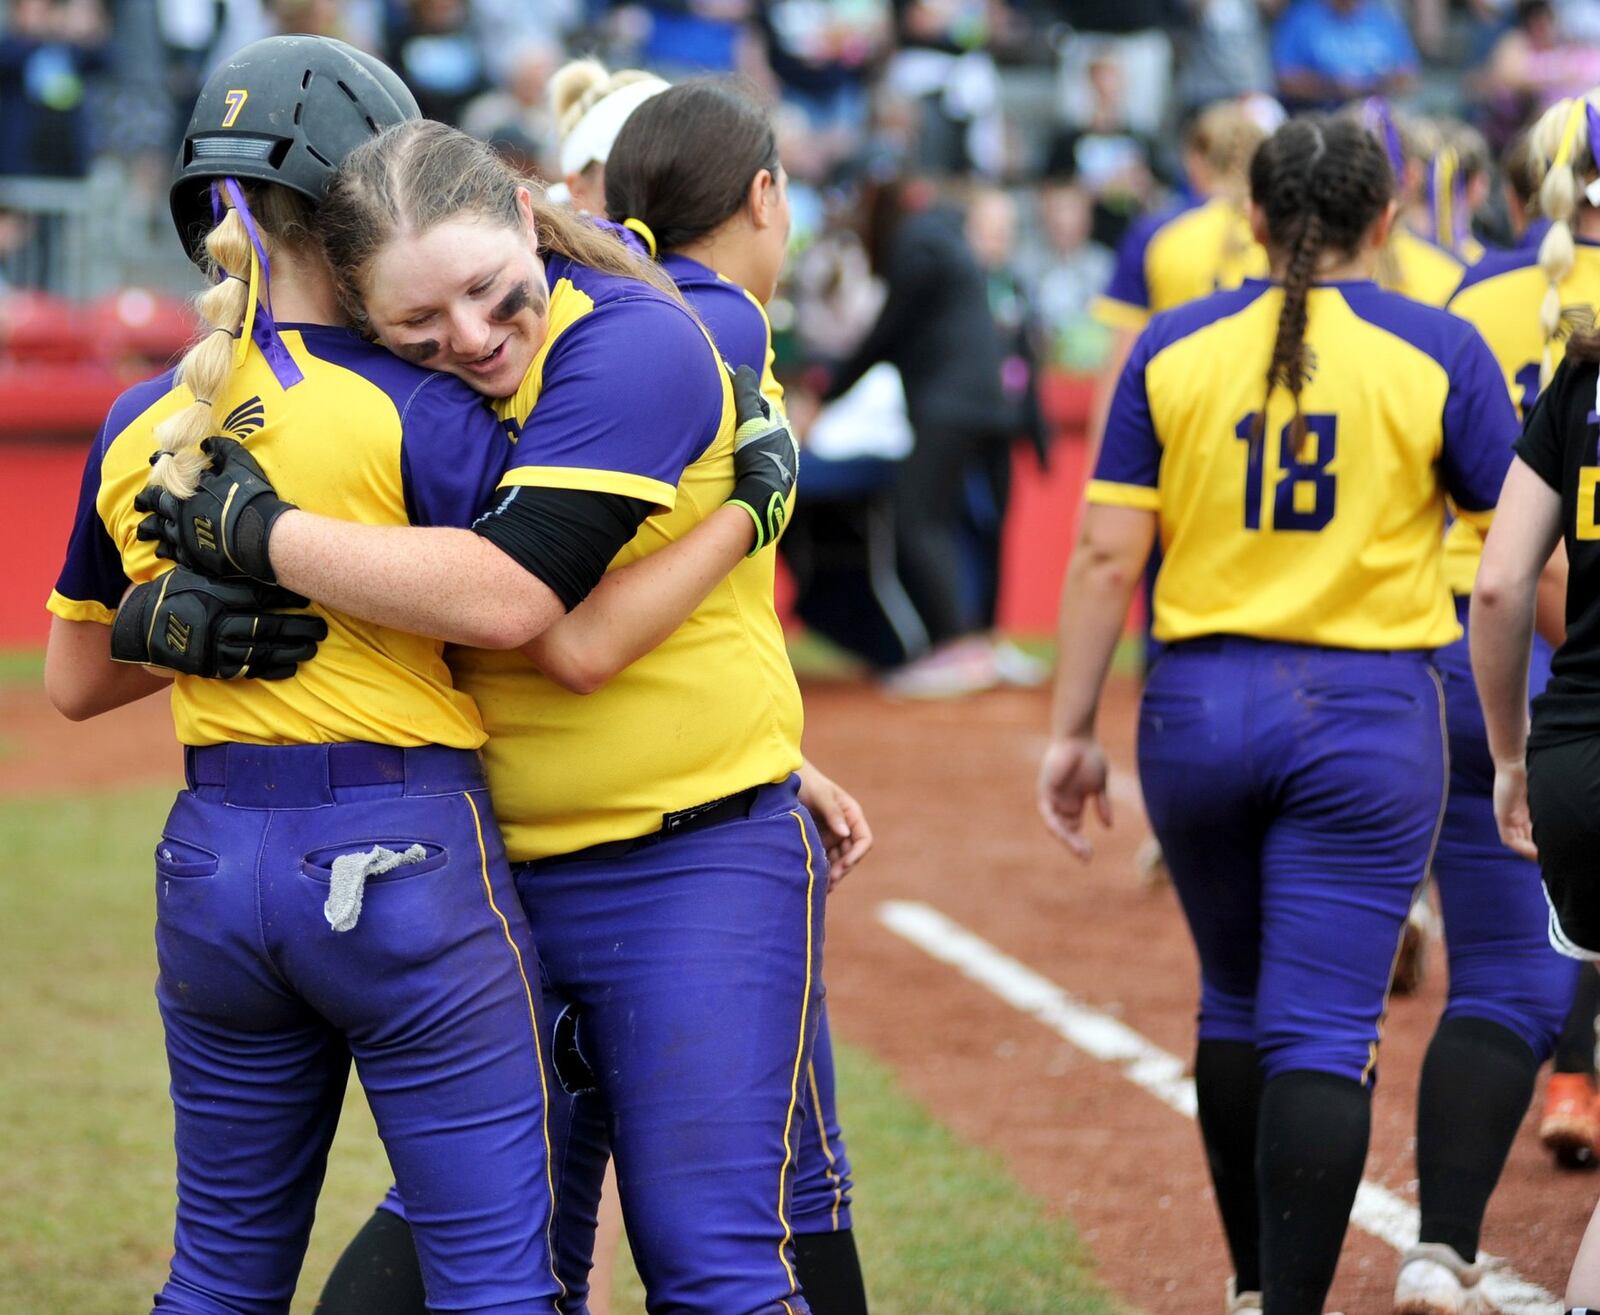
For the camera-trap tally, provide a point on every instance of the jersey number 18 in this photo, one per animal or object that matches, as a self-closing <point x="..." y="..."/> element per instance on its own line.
<point x="1304" y="488"/>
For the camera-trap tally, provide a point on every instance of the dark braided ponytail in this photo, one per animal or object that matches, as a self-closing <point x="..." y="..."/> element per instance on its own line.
<point x="1321" y="183"/>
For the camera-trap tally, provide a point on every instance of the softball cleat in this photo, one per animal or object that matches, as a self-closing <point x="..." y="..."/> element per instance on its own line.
<point x="1434" y="1280"/>
<point x="1570" y="1126"/>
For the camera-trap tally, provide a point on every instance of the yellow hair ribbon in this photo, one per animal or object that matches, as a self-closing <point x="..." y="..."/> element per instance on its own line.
<point x="1444" y="177"/>
<point x="1569" y="135"/>
<point x="241" y="348"/>
<point x="643" y="230"/>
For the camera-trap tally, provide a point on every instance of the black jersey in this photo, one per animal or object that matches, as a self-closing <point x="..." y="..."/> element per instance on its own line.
<point x="1560" y="446"/>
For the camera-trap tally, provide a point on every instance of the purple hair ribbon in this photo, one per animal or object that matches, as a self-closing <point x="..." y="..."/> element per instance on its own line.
<point x="259" y="325"/>
<point x="1593" y="124"/>
<point x="1380" y="123"/>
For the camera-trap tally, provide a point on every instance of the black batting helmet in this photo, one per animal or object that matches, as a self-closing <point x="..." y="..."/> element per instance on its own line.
<point x="285" y="110"/>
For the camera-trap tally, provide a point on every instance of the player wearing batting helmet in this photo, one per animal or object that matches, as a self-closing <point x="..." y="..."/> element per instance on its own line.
<point x="331" y="884"/>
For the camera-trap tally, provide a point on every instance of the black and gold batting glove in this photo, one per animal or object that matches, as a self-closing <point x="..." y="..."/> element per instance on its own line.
<point x="766" y="459"/>
<point x="222" y="529"/>
<point x="226" y="629"/>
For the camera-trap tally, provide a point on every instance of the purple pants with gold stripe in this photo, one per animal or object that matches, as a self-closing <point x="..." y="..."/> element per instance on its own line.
<point x="431" y="991"/>
<point x="1297" y="793"/>
<point x="694" y="966"/>
<point x="822" y="1181"/>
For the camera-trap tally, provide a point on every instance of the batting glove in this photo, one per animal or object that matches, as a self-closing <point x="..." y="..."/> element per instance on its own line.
<point x="766" y="459"/>
<point x="223" y="528"/>
<point x="223" y="629"/>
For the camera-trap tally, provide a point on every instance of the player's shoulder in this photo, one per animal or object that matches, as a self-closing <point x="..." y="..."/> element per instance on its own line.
<point x="356" y="361"/>
<point x="1494" y="266"/>
<point x="1438" y="333"/>
<point x="134" y="402"/>
<point x="1169" y="223"/>
<point x="736" y="321"/>
<point x="1172" y="326"/>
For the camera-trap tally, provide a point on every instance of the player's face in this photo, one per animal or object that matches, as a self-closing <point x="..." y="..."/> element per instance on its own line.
<point x="468" y="297"/>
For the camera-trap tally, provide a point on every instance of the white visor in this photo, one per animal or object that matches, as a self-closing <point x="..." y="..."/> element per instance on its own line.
<point x="591" y="141"/>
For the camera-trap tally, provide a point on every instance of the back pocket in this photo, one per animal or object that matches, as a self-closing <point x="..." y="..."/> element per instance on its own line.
<point x="181" y="860"/>
<point x="318" y="864"/>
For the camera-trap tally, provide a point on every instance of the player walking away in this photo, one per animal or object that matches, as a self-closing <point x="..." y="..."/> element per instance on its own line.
<point x="1546" y="774"/>
<point x="659" y="844"/>
<point x="1291" y="740"/>
<point x="1413" y="266"/>
<point x="331" y="884"/>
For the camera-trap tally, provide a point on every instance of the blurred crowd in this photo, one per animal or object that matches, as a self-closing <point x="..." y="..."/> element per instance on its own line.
<point x="1027" y="139"/>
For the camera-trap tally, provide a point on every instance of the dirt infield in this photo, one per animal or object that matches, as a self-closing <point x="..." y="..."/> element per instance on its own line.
<point x="949" y="791"/>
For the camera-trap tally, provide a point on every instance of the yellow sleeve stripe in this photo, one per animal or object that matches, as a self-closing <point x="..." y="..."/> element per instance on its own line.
<point x="1119" y="314"/>
<point x="1106" y="494"/>
<point x="592" y="481"/>
<point x="1479" y="520"/>
<point x="70" y="609"/>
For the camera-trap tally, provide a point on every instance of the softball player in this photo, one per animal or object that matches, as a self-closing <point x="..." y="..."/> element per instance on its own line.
<point x="681" y="895"/>
<point x="1413" y="266"/>
<point x="1291" y="740"/>
<point x="331" y="883"/>
<point x="1509" y="991"/>
<point x="1545" y="774"/>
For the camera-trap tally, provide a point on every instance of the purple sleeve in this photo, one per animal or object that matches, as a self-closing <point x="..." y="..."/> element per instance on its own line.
<point x="632" y="394"/>
<point x="1128" y="284"/>
<point x="92" y="572"/>
<point x="453" y="451"/>
<point x="736" y="326"/>
<point x="1480" y="427"/>
<point x="1130" y="452"/>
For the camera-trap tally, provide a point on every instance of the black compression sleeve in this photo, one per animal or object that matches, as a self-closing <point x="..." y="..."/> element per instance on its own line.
<point x="567" y="537"/>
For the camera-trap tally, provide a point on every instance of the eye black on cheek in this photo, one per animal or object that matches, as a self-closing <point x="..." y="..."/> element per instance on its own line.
<point x="513" y="303"/>
<point x="418" y="352"/>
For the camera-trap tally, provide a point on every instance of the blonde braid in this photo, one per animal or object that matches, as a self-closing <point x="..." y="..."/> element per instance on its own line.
<point x="1558" y="140"/>
<point x="208" y="365"/>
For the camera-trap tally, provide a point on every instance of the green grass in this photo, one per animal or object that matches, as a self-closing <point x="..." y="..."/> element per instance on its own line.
<point x="21" y="666"/>
<point x="86" y="1185"/>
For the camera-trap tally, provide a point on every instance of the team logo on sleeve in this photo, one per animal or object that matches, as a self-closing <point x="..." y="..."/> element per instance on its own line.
<point x="245" y="419"/>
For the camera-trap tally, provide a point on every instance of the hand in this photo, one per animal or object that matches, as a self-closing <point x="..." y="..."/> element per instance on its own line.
<point x="197" y="626"/>
<point x="223" y="529"/>
<point x="1511" y="809"/>
<point x="766" y="460"/>
<point x="845" y="833"/>
<point x="1072" y="774"/>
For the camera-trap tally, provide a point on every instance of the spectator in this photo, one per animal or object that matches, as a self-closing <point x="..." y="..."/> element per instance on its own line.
<point x="1224" y="53"/>
<point x="1326" y="53"/>
<point x="515" y="118"/>
<point x="1531" y="67"/>
<point x="936" y="329"/>
<point x="48" y="52"/>
<point x="1105" y="154"/>
<point x="682" y="38"/>
<point x="433" y="47"/>
<point x="1066" y="274"/>
<point x="821" y="52"/>
<point x="942" y="64"/>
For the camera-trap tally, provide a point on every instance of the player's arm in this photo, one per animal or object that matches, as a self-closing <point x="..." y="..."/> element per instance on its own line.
<point x="634" y="609"/>
<point x="80" y="678"/>
<point x="1501" y="636"/>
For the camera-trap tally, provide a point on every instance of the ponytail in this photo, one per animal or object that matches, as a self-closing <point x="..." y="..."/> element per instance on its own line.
<point x="1560" y="139"/>
<point x="208" y="365"/>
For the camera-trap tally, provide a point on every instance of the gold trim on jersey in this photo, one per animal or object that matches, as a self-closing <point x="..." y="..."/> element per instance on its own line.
<point x="73" y="609"/>
<point x="664" y="495"/>
<point x="1118" y="314"/>
<point x="1106" y="493"/>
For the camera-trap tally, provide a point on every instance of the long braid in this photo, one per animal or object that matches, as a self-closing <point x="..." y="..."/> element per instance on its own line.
<point x="1560" y="147"/>
<point x="1321" y="184"/>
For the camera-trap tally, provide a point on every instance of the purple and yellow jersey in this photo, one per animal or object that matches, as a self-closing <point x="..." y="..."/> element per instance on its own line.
<point x="628" y="396"/>
<point x="1422" y="271"/>
<point x="1338" y="543"/>
<point x="363" y="436"/>
<point x="1501" y="296"/>
<point x="1175" y="256"/>
<point x="735" y="319"/>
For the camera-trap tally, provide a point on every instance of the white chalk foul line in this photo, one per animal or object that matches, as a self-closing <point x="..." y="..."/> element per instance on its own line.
<point x="1377" y="1210"/>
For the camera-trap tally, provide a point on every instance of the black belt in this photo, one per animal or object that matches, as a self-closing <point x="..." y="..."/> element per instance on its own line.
<point x="730" y="808"/>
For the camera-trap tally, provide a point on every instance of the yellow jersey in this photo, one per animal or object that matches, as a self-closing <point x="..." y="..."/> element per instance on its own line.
<point x="1424" y="272"/>
<point x="628" y="396"/>
<point x="1336" y="542"/>
<point x="360" y="436"/>
<point x="1501" y="296"/>
<point x="1176" y="255"/>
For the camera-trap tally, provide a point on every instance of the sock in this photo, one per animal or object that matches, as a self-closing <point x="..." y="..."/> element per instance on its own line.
<point x="1477" y="1081"/>
<point x="1311" y="1145"/>
<point x="1575" y="1049"/>
<point x="377" y="1272"/>
<point x="1227" y="1082"/>
<point x="829" y="1271"/>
